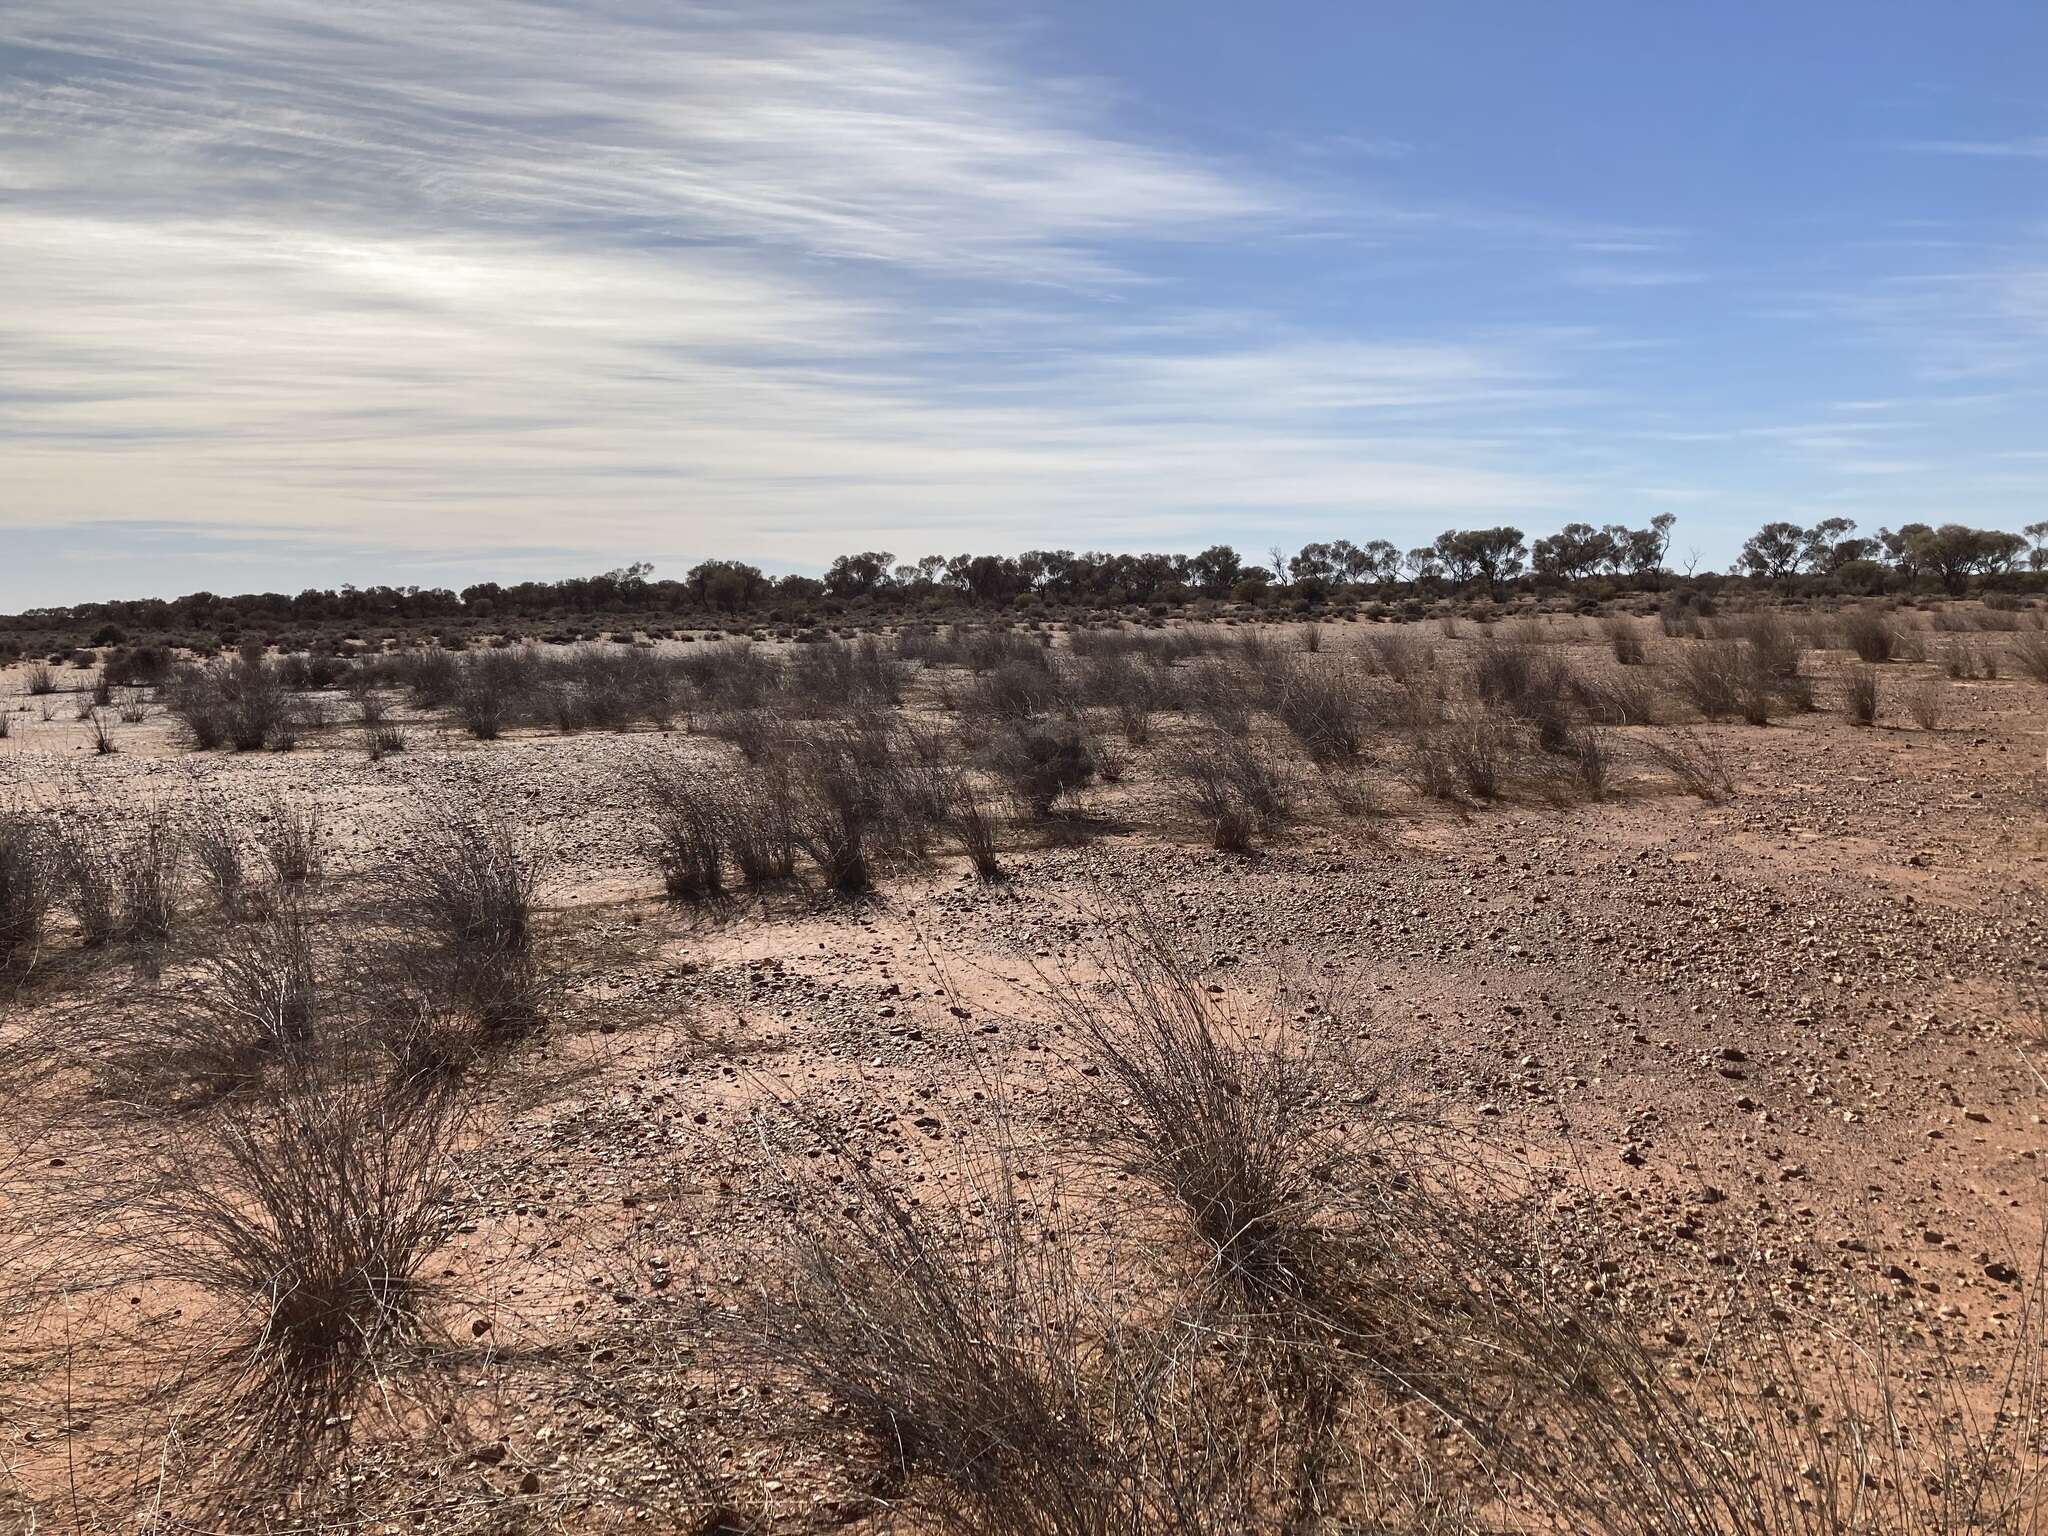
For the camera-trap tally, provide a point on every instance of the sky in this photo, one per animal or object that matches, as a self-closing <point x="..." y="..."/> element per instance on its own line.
<point x="296" y="293"/>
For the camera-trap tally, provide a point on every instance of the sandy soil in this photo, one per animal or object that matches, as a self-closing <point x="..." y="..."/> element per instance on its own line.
<point x="1784" y="1048"/>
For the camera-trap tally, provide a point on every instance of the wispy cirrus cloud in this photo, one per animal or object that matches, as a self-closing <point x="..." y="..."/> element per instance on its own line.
<point x="781" y="124"/>
<point x="714" y="279"/>
<point x="2034" y="148"/>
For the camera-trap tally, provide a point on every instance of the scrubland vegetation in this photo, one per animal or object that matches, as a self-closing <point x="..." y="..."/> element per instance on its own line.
<point x="1252" y="1270"/>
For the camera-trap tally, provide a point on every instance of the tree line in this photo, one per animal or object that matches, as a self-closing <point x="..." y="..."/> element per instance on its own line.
<point x="1493" y="560"/>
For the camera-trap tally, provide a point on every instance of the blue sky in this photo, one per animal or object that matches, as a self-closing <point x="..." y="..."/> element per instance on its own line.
<point x="294" y="293"/>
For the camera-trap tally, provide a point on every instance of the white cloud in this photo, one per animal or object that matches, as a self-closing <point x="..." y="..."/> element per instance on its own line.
<point x="765" y="124"/>
<point x="442" y="275"/>
<point x="1989" y="149"/>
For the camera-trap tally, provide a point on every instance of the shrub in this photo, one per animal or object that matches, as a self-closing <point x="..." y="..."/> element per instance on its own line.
<point x="1923" y="703"/>
<point x="1040" y="764"/>
<point x="758" y="815"/>
<point x="1624" y="639"/>
<point x="689" y="837"/>
<point x="1625" y="698"/>
<point x="149" y="873"/>
<point x="26" y="888"/>
<point x="1696" y="761"/>
<point x="290" y="841"/>
<point x="218" y="853"/>
<point x="1869" y="636"/>
<point x="464" y="894"/>
<point x="1012" y="691"/>
<point x="2030" y="653"/>
<point x="968" y="814"/>
<point x="945" y="1344"/>
<point x="89" y="876"/>
<point x="1859" y="695"/>
<point x="1225" y="782"/>
<point x="1319" y="707"/>
<point x="303" y="1224"/>
<point x="41" y="680"/>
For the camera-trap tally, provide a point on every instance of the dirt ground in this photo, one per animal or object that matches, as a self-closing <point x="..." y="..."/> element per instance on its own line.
<point x="1780" y="1050"/>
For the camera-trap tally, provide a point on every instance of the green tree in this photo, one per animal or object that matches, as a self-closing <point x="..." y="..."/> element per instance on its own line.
<point x="1772" y="552"/>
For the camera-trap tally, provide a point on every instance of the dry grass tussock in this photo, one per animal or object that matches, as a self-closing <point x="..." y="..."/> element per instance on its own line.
<point x="1258" y="1293"/>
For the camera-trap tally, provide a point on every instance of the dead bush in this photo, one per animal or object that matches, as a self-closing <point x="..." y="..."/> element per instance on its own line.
<point x="149" y="872"/>
<point x="250" y="1010"/>
<point x="1320" y="708"/>
<point x="2030" y="654"/>
<point x="1624" y="638"/>
<point x="836" y="676"/>
<point x="1228" y="784"/>
<point x="1130" y="689"/>
<point x="1696" y="761"/>
<point x="28" y="886"/>
<point x="758" y="813"/>
<point x="1041" y="764"/>
<point x="1504" y="673"/>
<point x="89" y="875"/>
<point x="463" y="897"/>
<point x="383" y="737"/>
<point x="289" y="841"/>
<point x="303" y="1224"/>
<point x="974" y="823"/>
<point x="1591" y="758"/>
<point x="1012" y="691"/>
<point x="241" y="703"/>
<point x="1923" y="703"/>
<point x="491" y="690"/>
<point x="732" y="677"/>
<point x="689" y="836"/>
<point x="1709" y="675"/>
<point x="941" y="1349"/>
<point x="218" y="853"/>
<point x="1462" y="754"/>
<point x="1867" y="634"/>
<point x="1218" y="695"/>
<point x="1774" y="646"/>
<point x="986" y="647"/>
<point x="1234" y="1135"/>
<point x="847" y="803"/>
<point x="1859" y="695"/>
<point x="1621" y="698"/>
<point x="1400" y="655"/>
